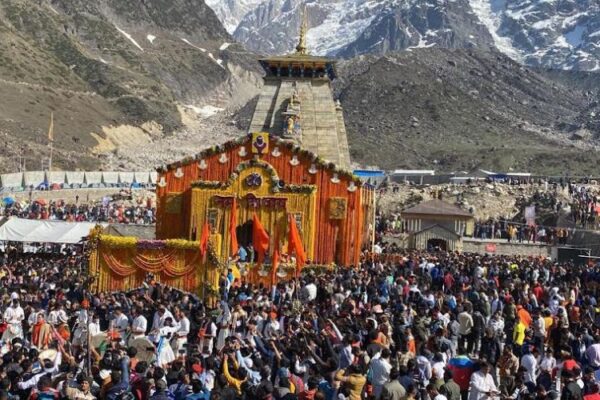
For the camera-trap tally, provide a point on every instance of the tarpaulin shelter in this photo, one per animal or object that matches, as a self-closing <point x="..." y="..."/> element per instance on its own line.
<point x="36" y="231"/>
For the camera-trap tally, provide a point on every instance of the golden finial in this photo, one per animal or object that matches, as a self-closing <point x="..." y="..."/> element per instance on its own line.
<point x="301" y="48"/>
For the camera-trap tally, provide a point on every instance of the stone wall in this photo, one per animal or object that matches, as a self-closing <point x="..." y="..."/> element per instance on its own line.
<point x="502" y="247"/>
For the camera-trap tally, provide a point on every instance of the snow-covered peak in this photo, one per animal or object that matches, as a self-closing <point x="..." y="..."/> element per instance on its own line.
<point x="550" y="33"/>
<point x="231" y="12"/>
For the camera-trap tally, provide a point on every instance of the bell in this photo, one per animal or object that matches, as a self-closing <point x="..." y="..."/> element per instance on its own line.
<point x="202" y="164"/>
<point x="223" y="159"/>
<point x="335" y="179"/>
<point x="162" y="182"/>
<point x="179" y="173"/>
<point x="294" y="161"/>
<point x="313" y="169"/>
<point x="242" y="152"/>
<point x="352" y="187"/>
<point x="276" y="152"/>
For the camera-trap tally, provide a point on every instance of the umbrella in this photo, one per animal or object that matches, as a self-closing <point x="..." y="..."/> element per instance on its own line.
<point x="8" y="201"/>
<point x="42" y="202"/>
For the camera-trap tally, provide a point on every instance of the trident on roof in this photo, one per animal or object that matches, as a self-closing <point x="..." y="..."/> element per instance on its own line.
<point x="301" y="48"/>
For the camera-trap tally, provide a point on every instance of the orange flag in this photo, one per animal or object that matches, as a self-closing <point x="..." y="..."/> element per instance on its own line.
<point x="204" y="239"/>
<point x="232" y="229"/>
<point x="260" y="239"/>
<point x="275" y="261"/>
<point x="295" y="244"/>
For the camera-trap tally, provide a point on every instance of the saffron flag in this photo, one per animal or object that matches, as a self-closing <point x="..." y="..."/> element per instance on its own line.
<point x="232" y="229"/>
<point x="295" y="244"/>
<point x="204" y="239"/>
<point x="51" y="128"/>
<point x="260" y="239"/>
<point x="275" y="261"/>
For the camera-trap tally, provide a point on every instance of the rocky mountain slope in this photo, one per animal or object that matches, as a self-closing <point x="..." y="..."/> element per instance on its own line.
<point x="551" y="33"/>
<point x="453" y="110"/>
<point x="115" y="73"/>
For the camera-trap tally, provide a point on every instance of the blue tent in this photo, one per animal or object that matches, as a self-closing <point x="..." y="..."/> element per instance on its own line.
<point x="8" y="201"/>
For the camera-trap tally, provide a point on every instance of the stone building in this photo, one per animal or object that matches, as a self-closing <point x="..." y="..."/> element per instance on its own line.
<point x="297" y="103"/>
<point x="435" y="223"/>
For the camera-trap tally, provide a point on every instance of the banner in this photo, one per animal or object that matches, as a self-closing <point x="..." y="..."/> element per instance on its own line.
<point x="530" y="215"/>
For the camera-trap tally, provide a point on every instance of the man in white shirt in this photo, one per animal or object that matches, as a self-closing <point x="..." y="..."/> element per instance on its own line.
<point x="482" y="386"/>
<point x="139" y="324"/>
<point x="529" y="362"/>
<point x="183" y="330"/>
<point x="380" y="371"/>
<point x="160" y="316"/>
<point x="120" y="323"/>
<point x="13" y="316"/>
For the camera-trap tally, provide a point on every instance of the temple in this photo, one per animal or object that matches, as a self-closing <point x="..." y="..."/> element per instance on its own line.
<point x="289" y="177"/>
<point x="297" y="103"/>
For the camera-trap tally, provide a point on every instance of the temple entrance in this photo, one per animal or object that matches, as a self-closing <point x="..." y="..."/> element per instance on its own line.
<point x="244" y="233"/>
<point x="437" y="245"/>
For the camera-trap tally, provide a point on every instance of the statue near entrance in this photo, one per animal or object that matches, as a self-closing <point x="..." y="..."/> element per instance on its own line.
<point x="292" y="127"/>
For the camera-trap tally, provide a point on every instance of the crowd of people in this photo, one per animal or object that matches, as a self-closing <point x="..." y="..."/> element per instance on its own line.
<point x="105" y="210"/>
<point x="407" y="325"/>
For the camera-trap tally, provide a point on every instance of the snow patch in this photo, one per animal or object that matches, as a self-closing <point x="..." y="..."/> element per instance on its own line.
<point x="343" y="25"/>
<point x="204" y="111"/>
<point x="103" y="61"/>
<point x="131" y="39"/>
<point x="224" y="46"/>
<point x="194" y="46"/>
<point x="489" y="13"/>
<point x="151" y="38"/>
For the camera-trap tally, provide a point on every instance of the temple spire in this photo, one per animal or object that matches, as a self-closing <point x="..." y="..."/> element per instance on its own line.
<point x="301" y="48"/>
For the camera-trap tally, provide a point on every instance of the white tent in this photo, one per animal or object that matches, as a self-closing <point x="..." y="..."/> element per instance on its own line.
<point x="75" y="177"/>
<point x="110" y="178"/>
<point x="34" y="178"/>
<point x="36" y="231"/>
<point x="126" y="177"/>
<point x="142" y="177"/>
<point x="153" y="177"/>
<point x="93" y="178"/>
<point x="14" y="180"/>
<point x="56" y="177"/>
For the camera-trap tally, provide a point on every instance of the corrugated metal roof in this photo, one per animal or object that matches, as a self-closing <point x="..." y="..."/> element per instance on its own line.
<point x="437" y="207"/>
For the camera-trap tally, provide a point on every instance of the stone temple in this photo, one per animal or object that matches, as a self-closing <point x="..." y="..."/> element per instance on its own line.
<point x="297" y="104"/>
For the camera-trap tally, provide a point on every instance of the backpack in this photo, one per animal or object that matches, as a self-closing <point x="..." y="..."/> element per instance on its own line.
<point x="126" y="395"/>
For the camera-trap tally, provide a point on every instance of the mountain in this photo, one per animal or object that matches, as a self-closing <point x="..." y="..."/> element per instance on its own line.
<point x="115" y="73"/>
<point x="458" y="110"/>
<point x="231" y="12"/>
<point x="454" y="110"/>
<point x="550" y="33"/>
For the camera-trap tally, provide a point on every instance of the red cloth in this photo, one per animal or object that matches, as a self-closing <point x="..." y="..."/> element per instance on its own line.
<point x="538" y="291"/>
<point x="260" y="239"/>
<point x="275" y="261"/>
<point x="204" y="239"/>
<point x="232" y="229"/>
<point x="295" y="244"/>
